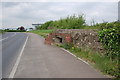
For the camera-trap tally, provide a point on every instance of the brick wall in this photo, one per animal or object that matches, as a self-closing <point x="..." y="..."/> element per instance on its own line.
<point x="79" y="37"/>
<point x="57" y="37"/>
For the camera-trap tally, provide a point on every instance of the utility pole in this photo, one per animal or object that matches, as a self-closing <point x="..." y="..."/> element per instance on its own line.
<point x="119" y="11"/>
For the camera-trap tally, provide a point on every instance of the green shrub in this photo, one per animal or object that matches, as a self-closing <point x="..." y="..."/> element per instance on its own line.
<point x="66" y="46"/>
<point x="70" y="22"/>
<point x="110" y="38"/>
<point x="107" y="25"/>
<point x="44" y="26"/>
<point x="111" y="41"/>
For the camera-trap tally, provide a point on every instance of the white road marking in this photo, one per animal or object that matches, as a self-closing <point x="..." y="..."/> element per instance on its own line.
<point x="75" y="56"/>
<point x="68" y="52"/>
<point x="18" y="60"/>
<point x="8" y="37"/>
<point x="82" y="60"/>
<point x="4" y="39"/>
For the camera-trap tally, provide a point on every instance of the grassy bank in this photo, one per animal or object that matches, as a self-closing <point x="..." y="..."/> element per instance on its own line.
<point x="42" y="33"/>
<point x="100" y="62"/>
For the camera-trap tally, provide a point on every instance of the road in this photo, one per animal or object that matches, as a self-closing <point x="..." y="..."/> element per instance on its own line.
<point x="11" y="46"/>
<point x="40" y="60"/>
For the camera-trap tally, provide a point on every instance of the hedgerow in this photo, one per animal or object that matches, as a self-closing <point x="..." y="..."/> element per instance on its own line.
<point x="110" y="38"/>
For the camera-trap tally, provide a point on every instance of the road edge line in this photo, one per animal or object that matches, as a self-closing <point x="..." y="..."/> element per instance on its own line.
<point x="12" y="73"/>
<point x="76" y="56"/>
<point x="85" y="62"/>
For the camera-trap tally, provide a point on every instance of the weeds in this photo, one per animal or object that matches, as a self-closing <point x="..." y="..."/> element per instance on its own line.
<point x="42" y="33"/>
<point x="101" y="62"/>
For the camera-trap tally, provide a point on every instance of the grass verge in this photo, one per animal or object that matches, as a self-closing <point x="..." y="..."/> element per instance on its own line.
<point x="42" y="33"/>
<point x="100" y="62"/>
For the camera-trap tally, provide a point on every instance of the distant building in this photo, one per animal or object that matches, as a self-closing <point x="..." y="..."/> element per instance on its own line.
<point x="30" y="29"/>
<point x="36" y="25"/>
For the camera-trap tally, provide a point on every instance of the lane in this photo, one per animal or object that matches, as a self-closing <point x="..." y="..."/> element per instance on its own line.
<point x="44" y="61"/>
<point x="7" y="35"/>
<point x="10" y="51"/>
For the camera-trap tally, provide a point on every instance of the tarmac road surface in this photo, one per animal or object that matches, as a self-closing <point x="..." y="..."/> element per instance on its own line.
<point x="40" y="60"/>
<point x="11" y="46"/>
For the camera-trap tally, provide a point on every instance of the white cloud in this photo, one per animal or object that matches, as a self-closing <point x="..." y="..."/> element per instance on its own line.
<point x="59" y="0"/>
<point x="26" y="13"/>
<point x="0" y="15"/>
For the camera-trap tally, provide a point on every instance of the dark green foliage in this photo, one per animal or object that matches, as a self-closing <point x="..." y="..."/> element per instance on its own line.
<point x="110" y="37"/>
<point x="107" y="25"/>
<point x="15" y="30"/>
<point x="104" y="25"/>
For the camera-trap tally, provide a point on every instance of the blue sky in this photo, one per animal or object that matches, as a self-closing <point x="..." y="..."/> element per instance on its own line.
<point x="15" y="14"/>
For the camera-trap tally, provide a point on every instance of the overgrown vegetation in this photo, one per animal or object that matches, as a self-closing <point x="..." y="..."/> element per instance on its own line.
<point x="71" y="22"/>
<point x="44" y="26"/>
<point x="42" y="33"/>
<point x="111" y="41"/>
<point x="110" y="38"/>
<point x="103" y="63"/>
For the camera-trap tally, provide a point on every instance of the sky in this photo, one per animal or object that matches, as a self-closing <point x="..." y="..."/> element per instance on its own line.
<point x="16" y="13"/>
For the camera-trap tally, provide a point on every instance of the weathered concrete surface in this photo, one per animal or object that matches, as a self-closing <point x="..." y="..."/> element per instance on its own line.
<point x="45" y="61"/>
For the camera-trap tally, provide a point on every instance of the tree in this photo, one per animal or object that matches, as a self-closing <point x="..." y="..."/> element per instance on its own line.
<point x="21" y="28"/>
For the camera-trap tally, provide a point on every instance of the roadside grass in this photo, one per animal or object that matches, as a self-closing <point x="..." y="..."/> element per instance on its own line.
<point x="1" y="31"/>
<point x="42" y="33"/>
<point x="98" y="61"/>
